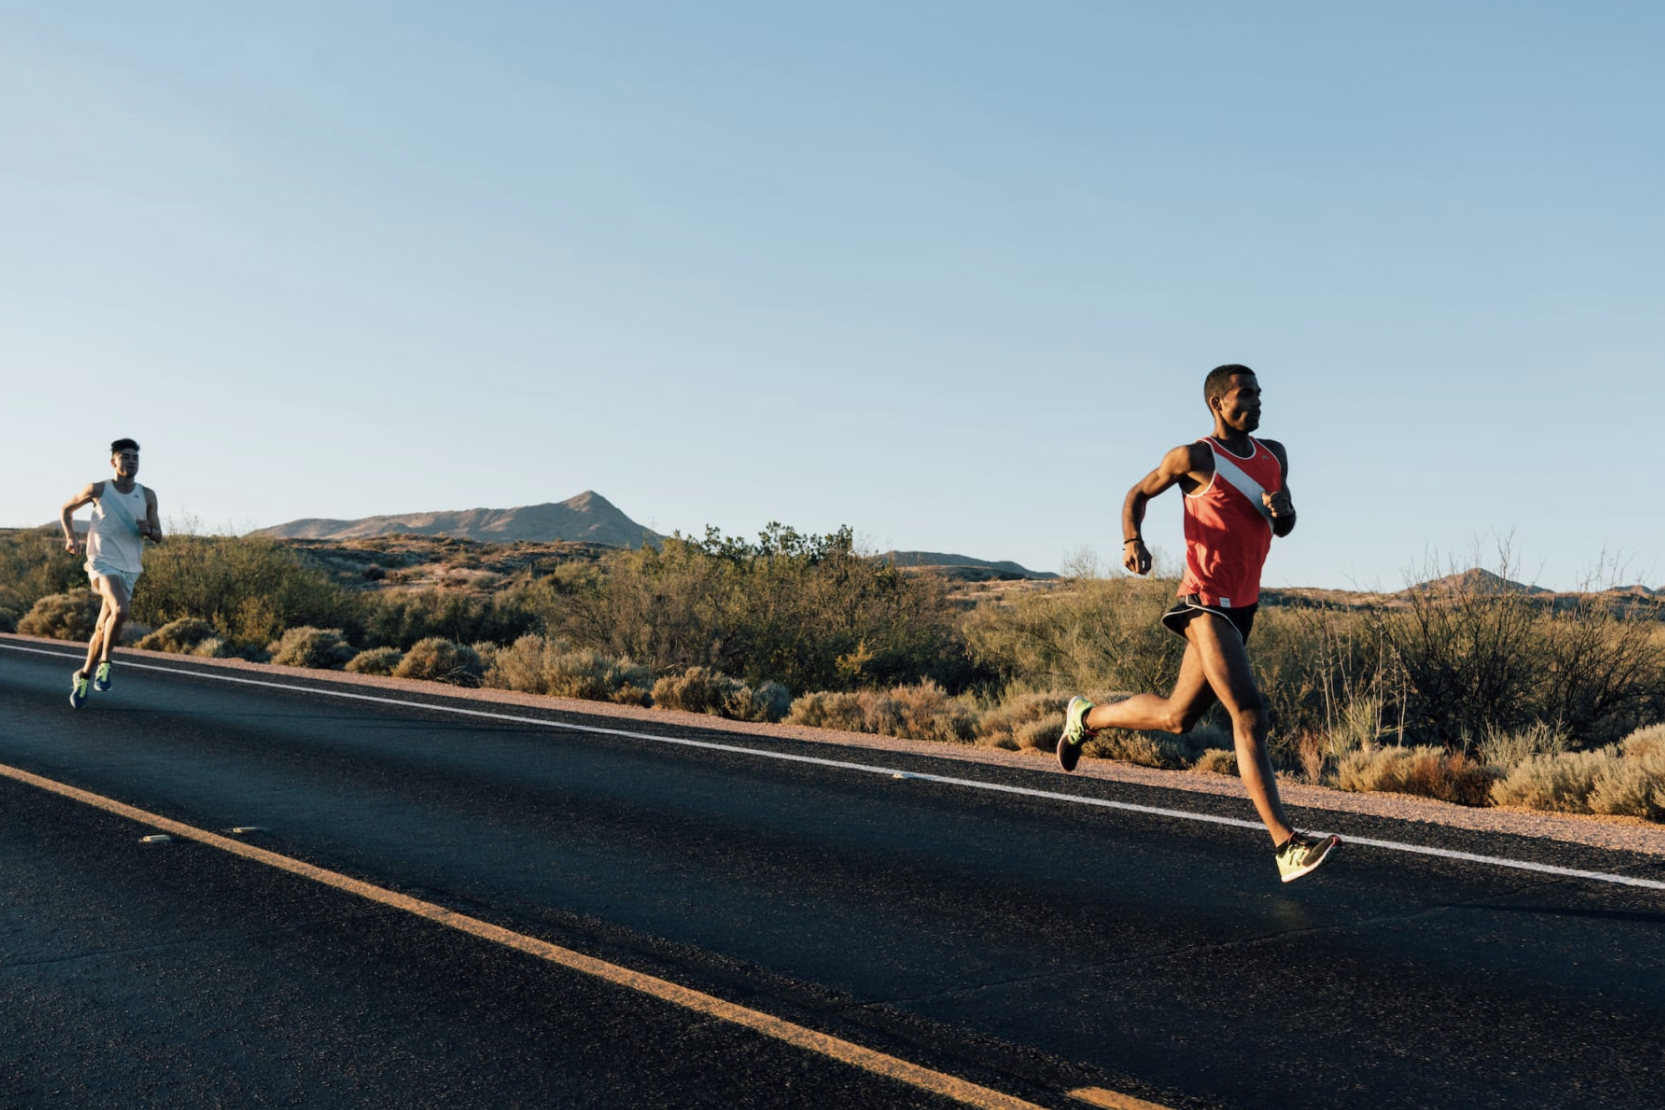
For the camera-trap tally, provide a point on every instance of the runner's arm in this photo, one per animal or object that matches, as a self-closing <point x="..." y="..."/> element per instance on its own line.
<point x="1279" y="504"/>
<point x="151" y="525"/>
<point x="1176" y="466"/>
<point x="66" y="516"/>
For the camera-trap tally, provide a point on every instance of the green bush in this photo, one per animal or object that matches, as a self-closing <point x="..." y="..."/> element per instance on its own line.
<point x="440" y="660"/>
<point x="319" y="648"/>
<point x="809" y="612"/>
<point x="538" y="665"/>
<point x="33" y="565"/>
<point x="401" y="619"/>
<point x="66" y="616"/>
<point x="1086" y="634"/>
<point x="180" y="637"/>
<point x="381" y="661"/>
<point x="250" y="589"/>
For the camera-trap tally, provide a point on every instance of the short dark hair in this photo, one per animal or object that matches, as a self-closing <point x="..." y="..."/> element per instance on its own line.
<point x="121" y="445"/>
<point x="1218" y="382"/>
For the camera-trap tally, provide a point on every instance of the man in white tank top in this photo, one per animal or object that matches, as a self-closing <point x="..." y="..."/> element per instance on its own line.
<point x="124" y="516"/>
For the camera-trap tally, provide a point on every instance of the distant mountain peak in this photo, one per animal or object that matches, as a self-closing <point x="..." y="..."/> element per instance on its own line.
<point x="1476" y="581"/>
<point x="589" y="517"/>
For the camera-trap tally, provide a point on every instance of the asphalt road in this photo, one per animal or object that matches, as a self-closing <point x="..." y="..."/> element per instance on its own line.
<point x="1031" y="945"/>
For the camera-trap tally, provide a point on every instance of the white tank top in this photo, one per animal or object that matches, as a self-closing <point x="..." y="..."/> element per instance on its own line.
<point x="113" y="540"/>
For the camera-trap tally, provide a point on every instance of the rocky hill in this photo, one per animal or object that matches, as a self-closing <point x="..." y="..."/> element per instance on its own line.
<point x="963" y="566"/>
<point x="587" y="518"/>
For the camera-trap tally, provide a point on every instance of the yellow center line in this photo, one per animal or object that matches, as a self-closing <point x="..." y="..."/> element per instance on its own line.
<point x="822" y="1044"/>
<point x="1113" y="1100"/>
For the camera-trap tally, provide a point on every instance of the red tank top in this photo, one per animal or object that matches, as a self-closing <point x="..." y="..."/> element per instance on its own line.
<point x="1227" y="535"/>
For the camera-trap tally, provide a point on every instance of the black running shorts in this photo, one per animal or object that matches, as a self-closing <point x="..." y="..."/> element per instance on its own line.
<point x="1187" y="608"/>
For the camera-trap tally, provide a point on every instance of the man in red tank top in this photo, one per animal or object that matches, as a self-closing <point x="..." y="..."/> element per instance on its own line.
<point x="1236" y="501"/>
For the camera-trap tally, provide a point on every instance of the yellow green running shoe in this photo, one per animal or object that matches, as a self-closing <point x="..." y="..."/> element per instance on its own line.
<point x="1075" y="732"/>
<point x="101" y="677"/>
<point x="1303" y="853"/>
<point x="77" y="690"/>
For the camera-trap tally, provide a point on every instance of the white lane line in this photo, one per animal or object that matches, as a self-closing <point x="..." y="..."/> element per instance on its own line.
<point x="888" y="772"/>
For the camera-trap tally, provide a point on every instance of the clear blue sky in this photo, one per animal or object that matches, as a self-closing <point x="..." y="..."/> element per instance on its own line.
<point x="950" y="272"/>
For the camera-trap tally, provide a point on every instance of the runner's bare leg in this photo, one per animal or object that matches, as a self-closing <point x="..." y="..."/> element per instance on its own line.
<point x="1216" y="665"/>
<point x="1178" y="712"/>
<point x="110" y="619"/>
<point x="1226" y="662"/>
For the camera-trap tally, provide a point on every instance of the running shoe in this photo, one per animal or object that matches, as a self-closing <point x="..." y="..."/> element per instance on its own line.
<point x="101" y="677"/>
<point x="1303" y="853"/>
<point x="1075" y="733"/>
<point x="77" y="690"/>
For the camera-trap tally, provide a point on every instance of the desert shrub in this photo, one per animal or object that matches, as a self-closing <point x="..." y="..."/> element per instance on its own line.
<point x="537" y="665"/>
<point x="440" y="660"/>
<point x="1089" y="634"/>
<point x="923" y="711"/>
<point x="810" y="612"/>
<point x="180" y="637"/>
<point x="1026" y="721"/>
<point x="1479" y="653"/>
<point x="700" y="690"/>
<point x="213" y="648"/>
<point x="1428" y="772"/>
<point x="1627" y="788"/>
<point x="33" y="565"/>
<point x="401" y="619"/>
<point x="1633" y="784"/>
<point x="319" y="648"/>
<point x="65" y="616"/>
<point x="769" y="702"/>
<point x="251" y="589"/>
<point x="1147" y="749"/>
<point x="487" y="651"/>
<point x="1217" y="761"/>
<point x="1560" y="783"/>
<point x="1647" y="742"/>
<point x="1506" y="748"/>
<point x="379" y="660"/>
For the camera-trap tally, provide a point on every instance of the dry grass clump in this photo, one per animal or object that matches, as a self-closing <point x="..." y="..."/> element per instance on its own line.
<point x="537" y="665"/>
<point x="440" y="660"/>
<point x="921" y="712"/>
<point x="702" y="690"/>
<point x="319" y="648"/>
<point x="1027" y="721"/>
<point x="1626" y="780"/>
<point x="381" y="660"/>
<point x="1559" y="783"/>
<point x="181" y="637"/>
<point x="65" y="616"/>
<point x="1426" y="772"/>
<point x="1216" y="761"/>
<point x="1506" y="749"/>
<point x="1163" y="750"/>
